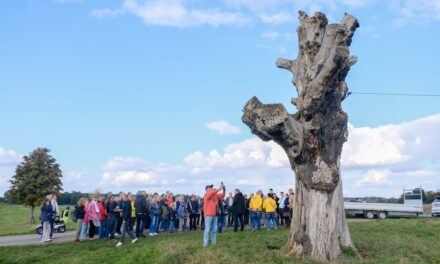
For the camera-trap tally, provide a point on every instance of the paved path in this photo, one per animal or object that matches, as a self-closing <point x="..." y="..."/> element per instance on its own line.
<point x="35" y="239"/>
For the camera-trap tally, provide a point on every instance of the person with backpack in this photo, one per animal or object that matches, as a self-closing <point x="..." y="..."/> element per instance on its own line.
<point x="155" y="210"/>
<point x="140" y="205"/>
<point x="46" y="217"/>
<point x="238" y="209"/>
<point x="126" y="218"/>
<point x="210" y="202"/>
<point x="180" y="204"/>
<point x="78" y="217"/>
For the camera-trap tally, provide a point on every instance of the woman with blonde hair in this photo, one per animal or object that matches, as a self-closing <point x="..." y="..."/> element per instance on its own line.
<point x="180" y="205"/>
<point x="46" y="217"/>
<point x="80" y="212"/>
<point x="93" y="216"/>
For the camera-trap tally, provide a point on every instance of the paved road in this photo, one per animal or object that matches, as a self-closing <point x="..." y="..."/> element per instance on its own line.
<point x="34" y="239"/>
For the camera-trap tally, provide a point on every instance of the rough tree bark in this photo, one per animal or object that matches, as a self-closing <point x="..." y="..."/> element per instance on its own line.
<point x="313" y="136"/>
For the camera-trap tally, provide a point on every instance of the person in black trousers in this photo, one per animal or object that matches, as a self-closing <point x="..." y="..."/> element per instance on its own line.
<point x="140" y="205"/>
<point x="193" y="208"/>
<point x="238" y="209"/>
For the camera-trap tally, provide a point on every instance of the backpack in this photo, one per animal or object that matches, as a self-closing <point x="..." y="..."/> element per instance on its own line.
<point x="73" y="215"/>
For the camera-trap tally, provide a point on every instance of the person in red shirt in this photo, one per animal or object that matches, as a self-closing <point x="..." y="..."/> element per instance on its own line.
<point x="210" y="202"/>
<point x="103" y="232"/>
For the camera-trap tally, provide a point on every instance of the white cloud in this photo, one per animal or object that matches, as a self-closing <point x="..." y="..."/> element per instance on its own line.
<point x="375" y="177"/>
<point x="176" y="13"/>
<point x="373" y="146"/>
<point x="277" y="18"/>
<point x="223" y="127"/>
<point x="415" y="11"/>
<point x="9" y="157"/>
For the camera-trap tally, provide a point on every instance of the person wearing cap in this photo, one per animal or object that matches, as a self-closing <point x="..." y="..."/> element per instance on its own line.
<point x="255" y="207"/>
<point x="210" y="201"/>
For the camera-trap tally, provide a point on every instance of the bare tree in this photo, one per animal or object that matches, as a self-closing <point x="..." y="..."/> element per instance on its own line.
<point x="313" y="136"/>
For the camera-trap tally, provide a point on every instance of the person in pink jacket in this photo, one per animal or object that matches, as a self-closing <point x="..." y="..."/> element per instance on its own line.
<point x="86" y="220"/>
<point x="93" y="217"/>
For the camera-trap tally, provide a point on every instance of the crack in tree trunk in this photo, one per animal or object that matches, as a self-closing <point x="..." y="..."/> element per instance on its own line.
<point x="313" y="137"/>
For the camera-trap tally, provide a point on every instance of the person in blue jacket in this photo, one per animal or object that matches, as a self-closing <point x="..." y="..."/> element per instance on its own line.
<point x="46" y="217"/>
<point x="126" y="218"/>
<point x="155" y="210"/>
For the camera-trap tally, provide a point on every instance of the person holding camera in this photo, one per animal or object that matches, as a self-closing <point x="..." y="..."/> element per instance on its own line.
<point x="210" y="205"/>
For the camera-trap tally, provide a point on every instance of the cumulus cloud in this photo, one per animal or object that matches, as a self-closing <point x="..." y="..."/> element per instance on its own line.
<point x="378" y="161"/>
<point x="373" y="146"/>
<point x="375" y="177"/>
<point x="222" y="127"/>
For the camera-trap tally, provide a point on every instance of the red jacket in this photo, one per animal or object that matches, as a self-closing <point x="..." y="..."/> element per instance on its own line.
<point x="210" y="201"/>
<point x="102" y="212"/>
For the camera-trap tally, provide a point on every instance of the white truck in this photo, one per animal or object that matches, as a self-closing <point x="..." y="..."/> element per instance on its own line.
<point x="435" y="211"/>
<point x="412" y="206"/>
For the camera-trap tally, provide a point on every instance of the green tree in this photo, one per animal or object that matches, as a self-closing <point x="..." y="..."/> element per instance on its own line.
<point x="37" y="176"/>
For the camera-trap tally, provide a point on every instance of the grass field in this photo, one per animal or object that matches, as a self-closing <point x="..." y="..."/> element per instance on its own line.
<point x="387" y="241"/>
<point x="14" y="220"/>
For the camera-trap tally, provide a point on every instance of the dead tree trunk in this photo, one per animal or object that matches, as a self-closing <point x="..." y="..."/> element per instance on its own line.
<point x="313" y="136"/>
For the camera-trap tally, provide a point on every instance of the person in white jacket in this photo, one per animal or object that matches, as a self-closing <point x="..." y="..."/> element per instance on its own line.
<point x="56" y="213"/>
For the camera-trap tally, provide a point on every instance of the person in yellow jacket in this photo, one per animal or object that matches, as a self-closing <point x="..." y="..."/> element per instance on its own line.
<point x="255" y="208"/>
<point x="133" y="211"/>
<point x="270" y="206"/>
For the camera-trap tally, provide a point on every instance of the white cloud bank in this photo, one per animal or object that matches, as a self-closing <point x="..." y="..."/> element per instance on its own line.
<point x="377" y="161"/>
<point x="222" y="127"/>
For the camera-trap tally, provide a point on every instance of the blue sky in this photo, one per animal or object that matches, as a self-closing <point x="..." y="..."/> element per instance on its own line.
<point x="126" y="93"/>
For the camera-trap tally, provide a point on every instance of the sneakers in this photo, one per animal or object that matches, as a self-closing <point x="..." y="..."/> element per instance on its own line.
<point x="151" y="234"/>
<point x="119" y="244"/>
<point x="155" y="234"/>
<point x="134" y="240"/>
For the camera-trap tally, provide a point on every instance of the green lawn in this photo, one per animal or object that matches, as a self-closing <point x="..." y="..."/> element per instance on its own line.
<point x="408" y="240"/>
<point x="14" y="220"/>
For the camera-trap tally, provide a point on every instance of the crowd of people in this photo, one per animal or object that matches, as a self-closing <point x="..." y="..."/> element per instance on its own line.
<point x="116" y="216"/>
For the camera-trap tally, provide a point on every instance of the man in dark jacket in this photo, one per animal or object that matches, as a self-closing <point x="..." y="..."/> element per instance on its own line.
<point x="238" y="209"/>
<point x="140" y="205"/>
<point x="126" y="218"/>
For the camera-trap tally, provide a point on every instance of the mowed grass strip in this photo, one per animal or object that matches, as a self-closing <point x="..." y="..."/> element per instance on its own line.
<point x="14" y="220"/>
<point x="387" y="241"/>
